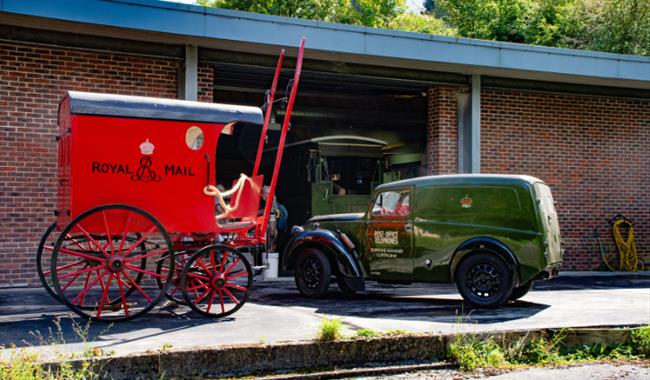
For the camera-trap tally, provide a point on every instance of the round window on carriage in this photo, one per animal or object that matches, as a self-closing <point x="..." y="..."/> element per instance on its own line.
<point x="194" y="138"/>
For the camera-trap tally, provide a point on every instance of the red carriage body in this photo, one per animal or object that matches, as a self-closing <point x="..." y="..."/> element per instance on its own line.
<point x="135" y="151"/>
<point x="137" y="219"/>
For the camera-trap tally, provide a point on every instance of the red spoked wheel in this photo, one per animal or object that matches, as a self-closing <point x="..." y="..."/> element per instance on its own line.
<point x="44" y="261"/>
<point x="174" y="293"/>
<point x="216" y="281"/>
<point x="104" y="263"/>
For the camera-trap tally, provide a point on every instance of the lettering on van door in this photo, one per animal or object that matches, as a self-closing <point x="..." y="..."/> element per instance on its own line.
<point x="386" y="237"/>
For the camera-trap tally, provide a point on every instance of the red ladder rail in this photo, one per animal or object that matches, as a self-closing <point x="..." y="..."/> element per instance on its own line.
<point x="283" y="135"/>
<point x="267" y="116"/>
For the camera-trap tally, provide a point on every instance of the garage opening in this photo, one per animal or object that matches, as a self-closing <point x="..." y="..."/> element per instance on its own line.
<point x="348" y="134"/>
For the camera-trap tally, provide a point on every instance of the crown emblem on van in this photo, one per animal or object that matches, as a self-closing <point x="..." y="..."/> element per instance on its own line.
<point x="466" y="202"/>
<point x="146" y="147"/>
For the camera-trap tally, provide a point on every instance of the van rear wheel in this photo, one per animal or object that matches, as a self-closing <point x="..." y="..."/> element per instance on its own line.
<point x="484" y="280"/>
<point x="313" y="273"/>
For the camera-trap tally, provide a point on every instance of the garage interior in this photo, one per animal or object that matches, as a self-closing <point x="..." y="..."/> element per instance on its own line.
<point x="352" y="128"/>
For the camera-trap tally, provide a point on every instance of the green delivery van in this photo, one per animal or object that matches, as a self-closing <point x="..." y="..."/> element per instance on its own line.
<point x="493" y="235"/>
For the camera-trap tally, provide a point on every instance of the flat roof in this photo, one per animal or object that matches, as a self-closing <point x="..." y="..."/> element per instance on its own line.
<point x="169" y="22"/>
<point x="87" y="103"/>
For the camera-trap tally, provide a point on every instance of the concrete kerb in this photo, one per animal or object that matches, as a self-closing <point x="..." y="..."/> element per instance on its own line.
<point x="252" y="359"/>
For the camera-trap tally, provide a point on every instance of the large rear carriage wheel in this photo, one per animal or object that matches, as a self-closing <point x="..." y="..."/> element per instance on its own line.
<point x="44" y="261"/>
<point x="216" y="281"/>
<point x="103" y="270"/>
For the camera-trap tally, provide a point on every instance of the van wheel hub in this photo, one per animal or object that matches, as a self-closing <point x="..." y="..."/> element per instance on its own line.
<point x="311" y="272"/>
<point x="484" y="280"/>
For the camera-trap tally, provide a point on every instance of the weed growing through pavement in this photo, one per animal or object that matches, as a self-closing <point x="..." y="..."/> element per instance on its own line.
<point x="367" y="333"/>
<point x="469" y="352"/>
<point x="330" y="329"/>
<point x="27" y="364"/>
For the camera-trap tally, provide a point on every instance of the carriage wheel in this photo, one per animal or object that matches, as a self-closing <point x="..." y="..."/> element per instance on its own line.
<point x="44" y="262"/>
<point x="216" y="281"/>
<point x="174" y="293"/>
<point x="98" y="258"/>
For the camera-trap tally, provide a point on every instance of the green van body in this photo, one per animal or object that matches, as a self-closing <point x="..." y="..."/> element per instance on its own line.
<point x="442" y="219"/>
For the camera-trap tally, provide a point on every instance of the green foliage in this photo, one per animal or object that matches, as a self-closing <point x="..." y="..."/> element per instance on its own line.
<point x="639" y="340"/>
<point x="424" y="23"/>
<point x="538" y="351"/>
<point x="618" y="26"/>
<point x="367" y="333"/>
<point x="24" y="364"/>
<point x="471" y="353"/>
<point x="329" y="330"/>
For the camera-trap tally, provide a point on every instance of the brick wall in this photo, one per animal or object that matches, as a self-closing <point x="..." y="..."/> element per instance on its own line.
<point x="33" y="79"/>
<point x="592" y="151"/>
<point x="442" y="130"/>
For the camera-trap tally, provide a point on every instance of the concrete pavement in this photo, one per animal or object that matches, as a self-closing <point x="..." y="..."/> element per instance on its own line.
<point x="276" y="313"/>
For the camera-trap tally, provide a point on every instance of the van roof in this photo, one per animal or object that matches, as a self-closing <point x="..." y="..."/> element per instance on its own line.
<point x="461" y="179"/>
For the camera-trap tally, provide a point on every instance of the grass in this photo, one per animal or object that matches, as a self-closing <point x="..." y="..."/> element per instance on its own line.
<point x="330" y="330"/>
<point x="367" y="333"/>
<point x="26" y="364"/>
<point x="470" y="353"/>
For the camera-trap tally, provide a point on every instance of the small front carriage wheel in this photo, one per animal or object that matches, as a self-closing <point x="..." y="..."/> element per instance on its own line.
<point x="484" y="280"/>
<point x="216" y="281"/>
<point x="104" y="263"/>
<point x="313" y="273"/>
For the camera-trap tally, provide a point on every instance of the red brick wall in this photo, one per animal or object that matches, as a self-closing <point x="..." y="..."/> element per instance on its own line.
<point x="33" y="80"/>
<point x="592" y="151"/>
<point x="442" y="130"/>
<point x="206" y="83"/>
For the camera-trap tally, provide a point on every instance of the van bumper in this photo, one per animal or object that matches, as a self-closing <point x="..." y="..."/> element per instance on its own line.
<point x="548" y="272"/>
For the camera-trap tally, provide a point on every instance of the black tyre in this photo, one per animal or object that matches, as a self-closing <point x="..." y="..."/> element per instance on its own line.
<point x="521" y="291"/>
<point x="484" y="280"/>
<point x="44" y="261"/>
<point x="313" y="273"/>
<point x="344" y="284"/>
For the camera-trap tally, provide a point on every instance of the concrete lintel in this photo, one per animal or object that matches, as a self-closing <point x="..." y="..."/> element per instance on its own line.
<point x="476" y="124"/>
<point x="188" y="86"/>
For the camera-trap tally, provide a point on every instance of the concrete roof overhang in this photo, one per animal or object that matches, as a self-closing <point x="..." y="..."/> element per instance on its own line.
<point x="175" y="23"/>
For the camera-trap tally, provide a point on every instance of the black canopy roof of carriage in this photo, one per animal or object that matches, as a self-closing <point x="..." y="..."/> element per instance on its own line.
<point x="87" y="103"/>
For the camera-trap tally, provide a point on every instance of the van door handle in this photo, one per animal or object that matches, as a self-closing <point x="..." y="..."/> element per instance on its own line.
<point x="408" y="227"/>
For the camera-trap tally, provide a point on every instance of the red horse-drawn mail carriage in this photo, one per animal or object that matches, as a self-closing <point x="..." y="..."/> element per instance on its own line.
<point x="137" y="215"/>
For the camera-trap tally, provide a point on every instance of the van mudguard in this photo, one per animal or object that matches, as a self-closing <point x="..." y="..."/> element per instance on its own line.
<point x="487" y="244"/>
<point x="330" y="243"/>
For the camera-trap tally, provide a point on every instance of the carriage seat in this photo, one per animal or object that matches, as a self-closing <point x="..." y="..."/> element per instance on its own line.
<point x="243" y="205"/>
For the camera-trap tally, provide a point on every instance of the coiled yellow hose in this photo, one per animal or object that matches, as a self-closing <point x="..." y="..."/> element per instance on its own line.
<point x="629" y="260"/>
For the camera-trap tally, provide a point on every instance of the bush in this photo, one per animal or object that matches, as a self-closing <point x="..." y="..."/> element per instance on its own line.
<point x="639" y="341"/>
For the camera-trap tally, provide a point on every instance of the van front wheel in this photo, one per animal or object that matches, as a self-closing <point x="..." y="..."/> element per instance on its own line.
<point x="484" y="280"/>
<point x="313" y="273"/>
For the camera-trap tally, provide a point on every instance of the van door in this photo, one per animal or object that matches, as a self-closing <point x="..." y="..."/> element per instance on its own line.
<point x="389" y="236"/>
